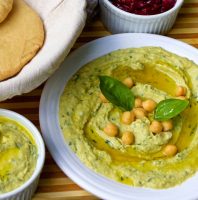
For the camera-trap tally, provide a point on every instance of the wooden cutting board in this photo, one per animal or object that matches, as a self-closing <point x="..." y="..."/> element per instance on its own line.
<point x="53" y="183"/>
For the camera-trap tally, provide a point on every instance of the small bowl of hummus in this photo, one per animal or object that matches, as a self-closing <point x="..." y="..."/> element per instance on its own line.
<point x="22" y="155"/>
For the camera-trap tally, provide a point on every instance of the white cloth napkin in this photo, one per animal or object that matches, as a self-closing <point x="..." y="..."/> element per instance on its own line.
<point x="63" y="21"/>
<point x="92" y="8"/>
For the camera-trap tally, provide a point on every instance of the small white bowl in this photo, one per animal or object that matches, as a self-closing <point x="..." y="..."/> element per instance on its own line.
<point x="26" y="191"/>
<point x="119" y="21"/>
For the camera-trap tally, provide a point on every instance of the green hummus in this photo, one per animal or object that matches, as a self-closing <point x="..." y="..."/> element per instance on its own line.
<point x="18" y="155"/>
<point x="83" y="117"/>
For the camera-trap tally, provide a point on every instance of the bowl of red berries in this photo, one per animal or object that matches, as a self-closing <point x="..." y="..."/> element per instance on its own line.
<point x="139" y="16"/>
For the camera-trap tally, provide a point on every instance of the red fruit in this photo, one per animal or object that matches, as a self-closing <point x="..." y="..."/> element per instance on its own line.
<point x="144" y="7"/>
<point x="167" y="5"/>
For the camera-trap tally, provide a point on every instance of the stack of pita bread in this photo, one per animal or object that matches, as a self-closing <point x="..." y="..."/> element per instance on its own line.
<point x="21" y="36"/>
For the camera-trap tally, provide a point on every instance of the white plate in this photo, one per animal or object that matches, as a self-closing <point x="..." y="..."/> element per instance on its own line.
<point x="65" y="158"/>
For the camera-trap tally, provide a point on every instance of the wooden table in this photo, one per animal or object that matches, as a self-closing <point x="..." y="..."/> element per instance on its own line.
<point x="54" y="184"/>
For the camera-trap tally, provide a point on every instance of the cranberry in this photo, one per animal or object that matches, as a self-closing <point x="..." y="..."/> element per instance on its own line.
<point x="144" y="7"/>
<point x="167" y="5"/>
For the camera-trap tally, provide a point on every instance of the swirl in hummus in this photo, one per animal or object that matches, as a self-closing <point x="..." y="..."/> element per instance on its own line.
<point x="18" y="155"/>
<point x="83" y="116"/>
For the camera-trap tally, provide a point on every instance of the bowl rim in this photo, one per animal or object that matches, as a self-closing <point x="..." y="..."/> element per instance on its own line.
<point x="40" y="146"/>
<point x="177" y="5"/>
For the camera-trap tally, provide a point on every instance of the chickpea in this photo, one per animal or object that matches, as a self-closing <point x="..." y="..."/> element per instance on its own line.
<point x="128" y="138"/>
<point x="139" y="112"/>
<point x="127" y="117"/>
<point x="167" y="125"/>
<point x="149" y="105"/>
<point x="128" y="82"/>
<point x="170" y="150"/>
<point x="111" y="130"/>
<point x="180" y="91"/>
<point x="156" y="127"/>
<point x="103" y="98"/>
<point x="138" y="103"/>
<point x="181" y="97"/>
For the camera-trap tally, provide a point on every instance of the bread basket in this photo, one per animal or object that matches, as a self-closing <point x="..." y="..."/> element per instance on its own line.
<point x="63" y="22"/>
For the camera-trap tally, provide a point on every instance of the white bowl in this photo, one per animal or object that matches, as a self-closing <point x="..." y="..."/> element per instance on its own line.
<point x="26" y="191"/>
<point x="61" y="152"/>
<point x="119" y="21"/>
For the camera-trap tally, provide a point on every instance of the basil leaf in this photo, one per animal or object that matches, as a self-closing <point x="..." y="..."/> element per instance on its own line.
<point x="169" y="108"/>
<point x="117" y="93"/>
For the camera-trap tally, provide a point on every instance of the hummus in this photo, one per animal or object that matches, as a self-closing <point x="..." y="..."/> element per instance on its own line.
<point x="18" y="155"/>
<point x="83" y="116"/>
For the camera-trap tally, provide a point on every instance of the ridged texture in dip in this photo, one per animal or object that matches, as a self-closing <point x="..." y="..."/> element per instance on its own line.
<point x="83" y="116"/>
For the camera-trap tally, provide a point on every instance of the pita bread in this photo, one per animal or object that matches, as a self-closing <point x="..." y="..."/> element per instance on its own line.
<point x="21" y="36"/>
<point x="5" y="8"/>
